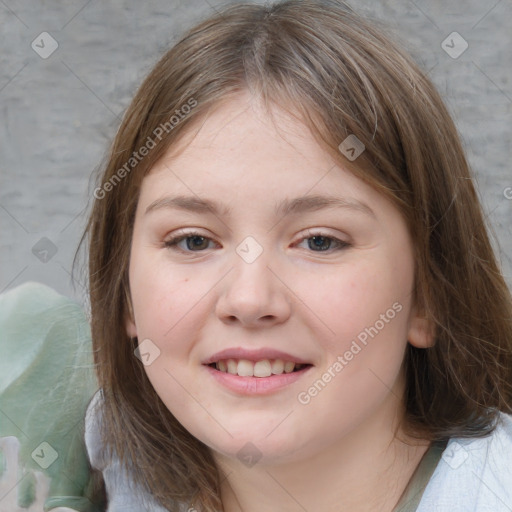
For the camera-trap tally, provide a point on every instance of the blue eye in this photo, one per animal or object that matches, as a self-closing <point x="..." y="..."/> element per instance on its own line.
<point x="194" y="242"/>
<point x="322" y="243"/>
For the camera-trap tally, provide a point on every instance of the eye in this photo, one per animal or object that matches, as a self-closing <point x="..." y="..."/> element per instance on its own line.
<point x="321" y="242"/>
<point x="194" y="242"/>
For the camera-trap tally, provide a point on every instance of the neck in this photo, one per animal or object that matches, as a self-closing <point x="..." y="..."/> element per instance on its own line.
<point x="366" y="470"/>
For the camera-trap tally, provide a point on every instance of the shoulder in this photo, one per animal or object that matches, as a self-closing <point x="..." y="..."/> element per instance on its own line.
<point x="92" y="435"/>
<point x="473" y="474"/>
<point x="122" y="493"/>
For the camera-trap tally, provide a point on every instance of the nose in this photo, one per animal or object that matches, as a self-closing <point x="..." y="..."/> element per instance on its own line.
<point x="253" y="296"/>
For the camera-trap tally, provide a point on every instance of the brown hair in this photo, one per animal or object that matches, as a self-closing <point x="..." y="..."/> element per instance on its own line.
<point x="341" y="76"/>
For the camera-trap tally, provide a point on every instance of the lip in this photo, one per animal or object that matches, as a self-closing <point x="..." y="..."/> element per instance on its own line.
<point x="256" y="385"/>
<point x="253" y="355"/>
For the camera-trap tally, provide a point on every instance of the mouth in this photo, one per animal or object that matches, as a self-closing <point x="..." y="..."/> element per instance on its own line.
<point x="261" y="369"/>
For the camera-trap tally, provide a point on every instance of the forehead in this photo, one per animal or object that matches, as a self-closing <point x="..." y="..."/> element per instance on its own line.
<point x="242" y="123"/>
<point x="239" y="154"/>
<point x="237" y="138"/>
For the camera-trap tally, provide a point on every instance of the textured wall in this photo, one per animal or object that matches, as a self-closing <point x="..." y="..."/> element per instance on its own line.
<point x="59" y="113"/>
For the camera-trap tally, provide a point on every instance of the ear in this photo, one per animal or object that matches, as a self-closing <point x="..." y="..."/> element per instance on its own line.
<point x="131" y="328"/>
<point x="421" y="332"/>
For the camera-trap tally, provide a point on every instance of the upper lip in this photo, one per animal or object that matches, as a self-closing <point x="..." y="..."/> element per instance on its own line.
<point x="253" y="355"/>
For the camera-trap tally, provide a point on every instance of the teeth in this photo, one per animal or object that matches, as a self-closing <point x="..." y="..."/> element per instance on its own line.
<point x="277" y="366"/>
<point x="263" y="368"/>
<point x="288" y="367"/>
<point x="245" y="368"/>
<point x="232" y="366"/>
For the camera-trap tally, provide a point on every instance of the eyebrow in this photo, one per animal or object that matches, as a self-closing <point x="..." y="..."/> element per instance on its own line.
<point x="286" y="207"/>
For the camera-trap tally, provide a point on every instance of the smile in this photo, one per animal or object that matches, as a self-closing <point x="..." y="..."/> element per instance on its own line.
<point x="262" y="368"/>
<point x="244" y="380"/>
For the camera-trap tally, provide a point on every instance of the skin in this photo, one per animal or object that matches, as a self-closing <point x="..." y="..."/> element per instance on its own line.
<point x="339" y="451"/>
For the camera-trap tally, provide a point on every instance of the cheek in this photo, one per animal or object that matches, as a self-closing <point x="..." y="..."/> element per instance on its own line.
<point x="368" y="312"/>
<point x="368" y="301"/>
<point x="162" y="297"/>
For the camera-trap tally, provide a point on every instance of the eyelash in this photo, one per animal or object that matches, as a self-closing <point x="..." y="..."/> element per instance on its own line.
<point x="173" y="242"/>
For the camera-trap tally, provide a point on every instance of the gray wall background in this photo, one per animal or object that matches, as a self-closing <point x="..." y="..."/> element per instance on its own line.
<point x="59" y="114"/>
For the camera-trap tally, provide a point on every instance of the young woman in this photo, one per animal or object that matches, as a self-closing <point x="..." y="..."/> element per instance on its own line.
<point x="295" y="303"/>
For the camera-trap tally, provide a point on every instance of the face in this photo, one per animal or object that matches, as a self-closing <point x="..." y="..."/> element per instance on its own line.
<point x="252" y="250"/>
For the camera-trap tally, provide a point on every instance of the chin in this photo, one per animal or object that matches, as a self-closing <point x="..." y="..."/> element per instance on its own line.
<point x="256" y="446"/>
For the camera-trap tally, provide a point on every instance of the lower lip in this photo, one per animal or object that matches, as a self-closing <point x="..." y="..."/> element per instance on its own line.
<point x="256" y="385"/>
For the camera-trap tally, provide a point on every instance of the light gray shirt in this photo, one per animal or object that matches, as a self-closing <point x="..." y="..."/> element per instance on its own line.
<point x="473" y="475"/>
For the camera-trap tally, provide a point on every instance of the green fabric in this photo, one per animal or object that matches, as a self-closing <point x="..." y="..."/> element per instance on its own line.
<point x="46" y="381"/>
<point x="411" y="497"/>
